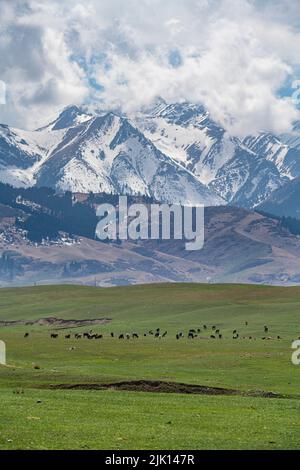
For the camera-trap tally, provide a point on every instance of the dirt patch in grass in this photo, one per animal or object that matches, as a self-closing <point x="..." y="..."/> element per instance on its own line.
<point x="57" y="322"/>
<point x="166" y="387"/>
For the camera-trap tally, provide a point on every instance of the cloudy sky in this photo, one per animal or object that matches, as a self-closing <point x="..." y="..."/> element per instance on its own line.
<point x="240" y="58"/>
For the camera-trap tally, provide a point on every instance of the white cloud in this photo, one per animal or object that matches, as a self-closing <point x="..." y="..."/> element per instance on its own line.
<point x="229" y="55"/>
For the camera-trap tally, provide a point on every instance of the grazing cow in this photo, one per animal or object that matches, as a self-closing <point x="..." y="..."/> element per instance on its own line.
<point x="177" y="336"/>
<point x="127" y="336"/>
<point x="234" y="332"/>
<point x="212" y="336"/>
<point x="220" y="336"/>
<point x="54" y="336"/>
<point x="121" y="336"/>
<point x="278" y="337"/>
<point x="217" y="332"/>
<point x="112" y="335"/>
<point x="213" y="327"/>
<point x="266" y="329"/>
<point x="192" y="330"/>
<point x="164" y="334"/>
<point x="78" y="336"/>
<point x="145" y="334"/>
<point x="198" y="330"/>
<point x="157" y="334"/>
<point x="26" y="335"/>
<point x="205" y="327"/>
<point x="246" y="323"/>
<point x="135" y="335"/>
<point x="67" y="336"/>
<point x="191" y="335"/>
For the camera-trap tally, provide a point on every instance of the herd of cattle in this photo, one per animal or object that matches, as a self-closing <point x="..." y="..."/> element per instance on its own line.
<point x="213" y="333"/>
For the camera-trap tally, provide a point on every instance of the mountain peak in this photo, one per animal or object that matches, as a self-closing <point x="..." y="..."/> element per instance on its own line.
<point x="71" y="115"/>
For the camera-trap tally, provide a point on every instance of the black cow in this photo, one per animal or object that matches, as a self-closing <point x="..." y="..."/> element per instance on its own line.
<point x="121" y="336"/>
<point x="26" y="335"/>
<point x="54" y="336"/>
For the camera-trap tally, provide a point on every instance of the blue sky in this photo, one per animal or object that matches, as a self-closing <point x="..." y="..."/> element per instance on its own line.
<point x="237" y="57"/>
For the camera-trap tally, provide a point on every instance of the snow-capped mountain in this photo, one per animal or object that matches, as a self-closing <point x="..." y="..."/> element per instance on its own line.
<point x="107" y="154"/>
<point x="285" y="157"/>
<point x="231" y="168"/>
<point x="247" y="180"/>
<point x="82" y="153"/>
<point x="292" y="139"/>
<point x="284" y="201"/>
<point x="186" y="133"/>
<point x="172" y="152"/>
<point x="18" y="154"/>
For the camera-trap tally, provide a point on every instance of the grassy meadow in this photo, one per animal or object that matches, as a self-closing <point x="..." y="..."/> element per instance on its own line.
<point x="35" y="415"/>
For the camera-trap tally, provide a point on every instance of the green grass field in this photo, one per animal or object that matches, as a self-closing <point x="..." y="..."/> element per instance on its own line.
<point x="114" y="419"/>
